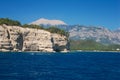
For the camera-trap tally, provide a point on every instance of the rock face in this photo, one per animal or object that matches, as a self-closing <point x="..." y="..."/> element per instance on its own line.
<point x="60" y="43"/>
<point x="15" y="38"/>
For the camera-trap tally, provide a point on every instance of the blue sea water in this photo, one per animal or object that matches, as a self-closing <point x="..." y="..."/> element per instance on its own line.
<point x="59" y="66"/>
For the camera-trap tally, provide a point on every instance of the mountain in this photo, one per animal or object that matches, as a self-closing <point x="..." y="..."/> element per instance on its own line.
<point x="80" y="32"/>
<point x="118" y="30"/>
<point x="43" y="21"/>
<point x="98" y="34"/>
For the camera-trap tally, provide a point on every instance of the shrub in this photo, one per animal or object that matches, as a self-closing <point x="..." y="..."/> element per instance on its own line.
<point x="57" y="30"/>
<point x="10" y="22"/>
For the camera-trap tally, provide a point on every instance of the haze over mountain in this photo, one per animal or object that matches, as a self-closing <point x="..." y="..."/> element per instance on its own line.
<point x="43" y="21"/>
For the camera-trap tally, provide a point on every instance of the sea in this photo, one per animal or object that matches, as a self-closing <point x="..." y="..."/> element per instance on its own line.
<point x="60" y="66"/>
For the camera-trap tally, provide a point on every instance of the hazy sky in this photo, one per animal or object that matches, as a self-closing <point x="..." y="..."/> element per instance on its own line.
<point x="85" y="12"/>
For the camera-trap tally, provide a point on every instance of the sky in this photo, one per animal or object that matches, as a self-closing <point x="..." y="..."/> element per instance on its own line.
<point x="105" y="13"/>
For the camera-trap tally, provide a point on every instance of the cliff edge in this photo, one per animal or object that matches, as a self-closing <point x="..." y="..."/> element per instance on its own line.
<point x="16" y="38"/>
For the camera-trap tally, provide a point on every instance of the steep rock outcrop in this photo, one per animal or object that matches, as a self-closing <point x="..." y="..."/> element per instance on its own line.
<point x="60" y="43"/>
<point x="15" y="38"/>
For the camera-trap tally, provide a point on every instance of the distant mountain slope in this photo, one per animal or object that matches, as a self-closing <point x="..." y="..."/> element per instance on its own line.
<point x="43" y="21"/>
<point x="98" y="34"/>
<point x="118" y="30"/>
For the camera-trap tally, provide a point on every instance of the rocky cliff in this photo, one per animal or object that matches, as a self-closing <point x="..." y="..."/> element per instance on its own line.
<point x="16" y="38"/>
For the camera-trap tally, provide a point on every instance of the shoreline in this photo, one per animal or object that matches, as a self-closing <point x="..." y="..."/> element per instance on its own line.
<point x="54" y="52"/>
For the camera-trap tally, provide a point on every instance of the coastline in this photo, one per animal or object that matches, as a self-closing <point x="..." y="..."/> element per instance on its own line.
<point x="67" y="52"/>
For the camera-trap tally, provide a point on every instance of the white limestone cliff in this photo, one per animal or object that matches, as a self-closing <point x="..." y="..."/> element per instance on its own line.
<point x="16" y="38"/>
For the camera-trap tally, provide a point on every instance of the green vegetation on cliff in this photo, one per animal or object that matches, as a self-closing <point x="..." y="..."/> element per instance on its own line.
<point x="57" y="30"/>
<point x="9" y="22"/>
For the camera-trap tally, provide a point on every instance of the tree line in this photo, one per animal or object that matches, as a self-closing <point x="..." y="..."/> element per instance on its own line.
<point x="9" y="22"/>
<point x="87" y="45"/>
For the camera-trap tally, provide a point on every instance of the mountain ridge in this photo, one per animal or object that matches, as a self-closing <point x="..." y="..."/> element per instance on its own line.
<point x="98" y="34"/>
